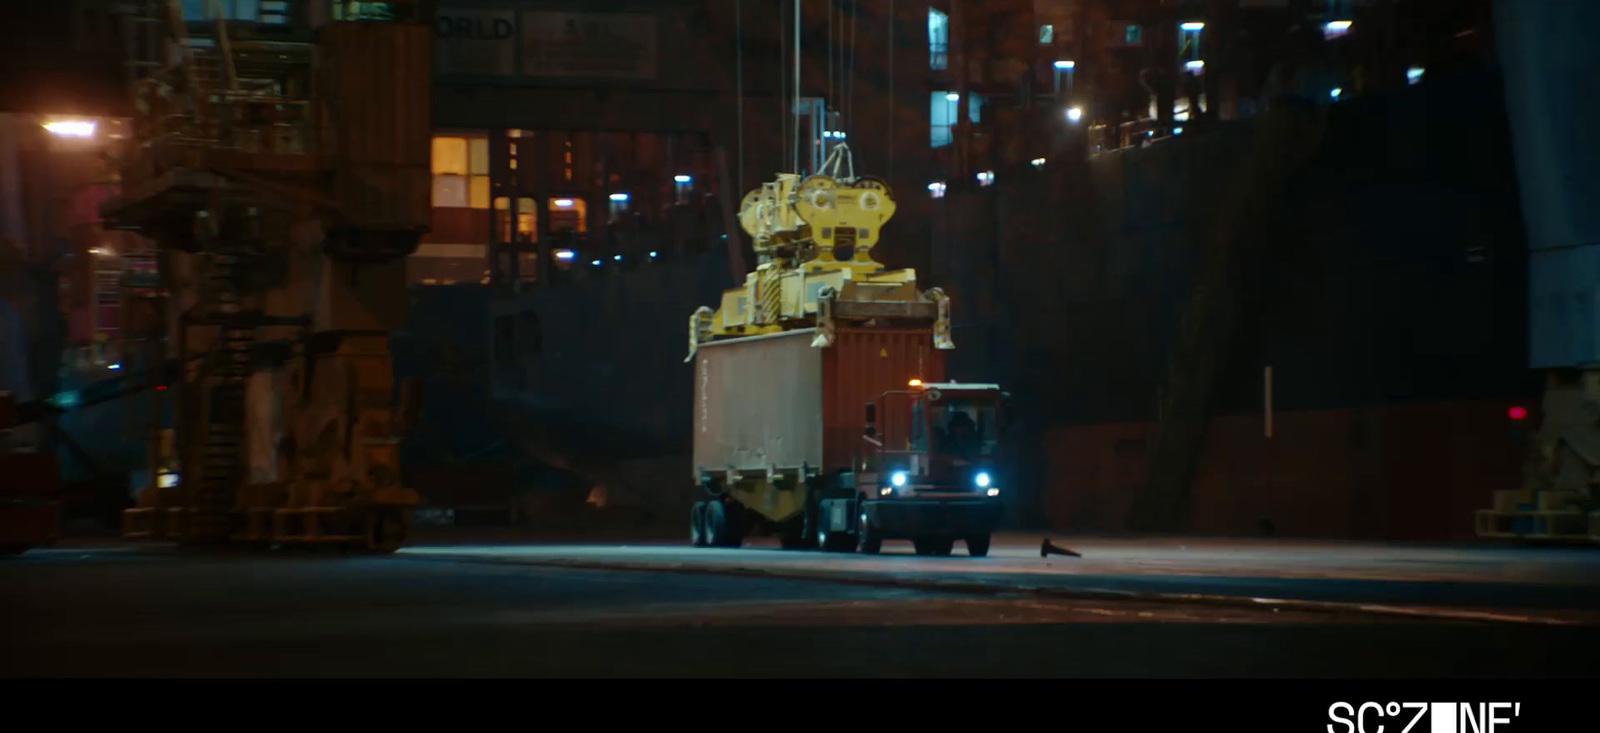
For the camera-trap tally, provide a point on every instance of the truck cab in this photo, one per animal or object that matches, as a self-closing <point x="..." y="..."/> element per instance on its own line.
<point x="930" y="470"/>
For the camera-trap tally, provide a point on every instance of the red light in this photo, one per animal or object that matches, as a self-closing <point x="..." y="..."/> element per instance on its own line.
<point x="162" y="388"/>
<point x="1518" y="413"/>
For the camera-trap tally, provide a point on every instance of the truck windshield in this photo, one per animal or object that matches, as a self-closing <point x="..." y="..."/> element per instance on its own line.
<point x="961" y="427"/>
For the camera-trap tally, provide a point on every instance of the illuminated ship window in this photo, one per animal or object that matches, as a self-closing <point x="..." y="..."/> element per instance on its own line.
<point x="461" y="172"/>
<point x="942" y="114"/>
<point x="569" y="215"/>
<point x="938" y="40"/>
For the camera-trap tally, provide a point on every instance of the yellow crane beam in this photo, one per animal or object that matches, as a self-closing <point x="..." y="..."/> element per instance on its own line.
<point x="814" y="236"/>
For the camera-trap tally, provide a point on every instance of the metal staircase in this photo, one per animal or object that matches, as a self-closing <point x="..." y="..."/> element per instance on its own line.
<point x="221" y="467"/>
<point x="232" y="127"/>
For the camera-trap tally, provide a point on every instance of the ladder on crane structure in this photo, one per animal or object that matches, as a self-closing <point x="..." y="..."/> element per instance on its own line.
<point x="212" y="71"/>
<point x="238" y="132"/>
<point x="222" y="462"/>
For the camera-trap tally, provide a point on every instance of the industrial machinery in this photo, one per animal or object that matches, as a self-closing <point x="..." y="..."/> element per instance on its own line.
<point x="931" y="479"/>
<point x="1546" y="95"/>
<point x="785" y="367"/>
<point x="283" y="170"/>
<point x="30" y="495"/>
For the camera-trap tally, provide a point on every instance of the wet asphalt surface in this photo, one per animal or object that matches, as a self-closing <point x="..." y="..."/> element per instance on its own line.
<point x="121" y="612"/>
<point x="1559" y="582"/>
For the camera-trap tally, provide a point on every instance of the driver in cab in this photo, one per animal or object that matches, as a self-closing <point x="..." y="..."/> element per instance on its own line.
<point x="960" y="437"/>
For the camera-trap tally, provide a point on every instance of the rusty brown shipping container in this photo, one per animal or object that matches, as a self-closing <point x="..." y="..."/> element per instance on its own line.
<point x="840" y="447"/>
<point x="777" y="402"/>
<point x="861" y="365"/>
<point x="378" y="117"/>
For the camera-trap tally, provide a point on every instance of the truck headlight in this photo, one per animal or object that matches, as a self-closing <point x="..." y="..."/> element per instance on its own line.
<point x="994" y="492"/>
<point x="983" y="480"/>
<point x="899" y="478"/>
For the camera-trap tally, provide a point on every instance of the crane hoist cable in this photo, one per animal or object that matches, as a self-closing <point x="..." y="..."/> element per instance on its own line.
<point x="795" y="111"/>
<point x="783" y="87"/>
<point x="738" y="66"/>
<point x="891" y="116"/>
<point x="850" y="96"/>
<point x="837" y="100"/>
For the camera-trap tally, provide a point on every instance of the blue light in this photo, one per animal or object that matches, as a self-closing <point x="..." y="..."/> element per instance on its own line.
<point x="617" y="258"/>
<point x="596" y="263"/>
<point x="983" y="480"/>
<point x="114" y="367"/>
<point x="652" y="255"/>
<point x="899" y="478"/>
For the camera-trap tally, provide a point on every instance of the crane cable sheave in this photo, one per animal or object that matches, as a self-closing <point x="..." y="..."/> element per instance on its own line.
<point x="829" y="209"/>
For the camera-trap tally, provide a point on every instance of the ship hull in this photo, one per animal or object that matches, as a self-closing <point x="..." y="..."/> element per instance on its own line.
<point x="1389" y="304"/>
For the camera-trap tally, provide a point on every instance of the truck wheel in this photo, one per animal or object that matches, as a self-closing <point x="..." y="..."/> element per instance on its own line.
<point x="835" y="542"/>
<point x="720" y="528"/>
<point x="978" y="545"/>
<point x="697" y="524"/>
<point x="870" y="539"/>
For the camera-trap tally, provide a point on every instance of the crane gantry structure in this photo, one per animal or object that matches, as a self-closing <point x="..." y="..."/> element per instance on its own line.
<point x="283" y="171"/>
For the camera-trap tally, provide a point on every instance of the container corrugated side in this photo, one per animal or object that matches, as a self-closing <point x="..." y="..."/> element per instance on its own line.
<point x="862" y="364"/>
<point x="758" y="403"/>
<point x="381" y="83"/>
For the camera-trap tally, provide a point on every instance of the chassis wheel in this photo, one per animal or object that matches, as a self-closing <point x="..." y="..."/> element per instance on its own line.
<point x="697" y="524"/>
<point x="721" y="528"/>
<point x="825" y="539"/>
<point x="869" y="538"/>
<point x="835" y="541"/>
<point x="978" y="545"/>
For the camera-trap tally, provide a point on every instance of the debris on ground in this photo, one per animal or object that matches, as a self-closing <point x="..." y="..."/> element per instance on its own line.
<point x="1047" y="548"/>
